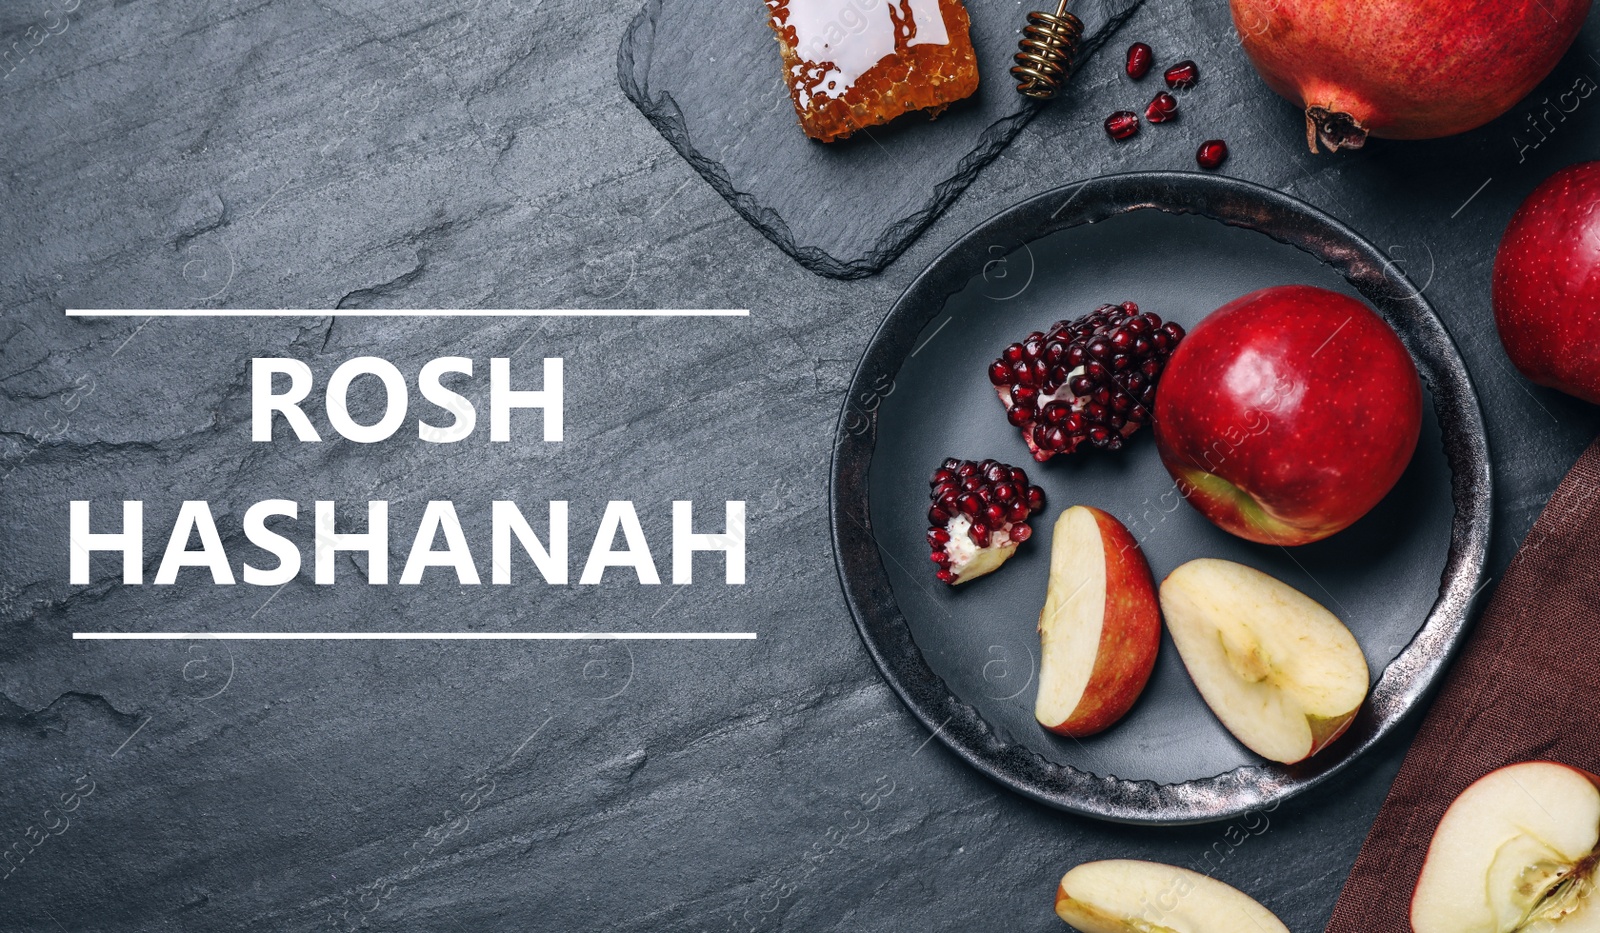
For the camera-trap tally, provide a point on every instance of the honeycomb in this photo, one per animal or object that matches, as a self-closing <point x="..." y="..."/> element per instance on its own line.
<point x="852" y="64"/>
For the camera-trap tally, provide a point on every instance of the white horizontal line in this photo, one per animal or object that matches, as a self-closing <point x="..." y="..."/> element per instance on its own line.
<point x="410" y="312"/>
<point x="413" y="636"/>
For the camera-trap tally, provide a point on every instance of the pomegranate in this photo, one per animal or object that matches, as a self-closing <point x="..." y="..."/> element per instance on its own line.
<point x="1140" y="58"/>
<point x="1090" y="381"/>
<point x="1546" y="284"/>
<point x="1161" y="109"/>
<point x="1122" y="124"/>
<point x="1403" y="69"/>
<point x="978" y="517"/>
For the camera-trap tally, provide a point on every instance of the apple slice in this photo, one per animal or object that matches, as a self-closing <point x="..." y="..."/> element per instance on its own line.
<point x="1100" y="627"/>
<point x="1128" y="896"/>
<point x="1282" y="673"/>
<point x="1515" y="852"/>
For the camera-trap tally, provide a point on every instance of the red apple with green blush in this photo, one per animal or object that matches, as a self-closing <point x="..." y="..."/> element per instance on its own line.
<point x="1288" y="413"/>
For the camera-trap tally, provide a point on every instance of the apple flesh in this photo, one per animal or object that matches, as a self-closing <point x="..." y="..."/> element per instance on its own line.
<point x="1128" y="896"/>
<point x="1100" y="628"/>
<point x="1546" y="283"/>
<point x="1288" y="413"/>
<point x="1282" y="673"/>
<point x="1515" y="852"/>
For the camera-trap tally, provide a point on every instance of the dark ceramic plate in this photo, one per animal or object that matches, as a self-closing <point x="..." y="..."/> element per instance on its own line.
<point x="965" y="660"/>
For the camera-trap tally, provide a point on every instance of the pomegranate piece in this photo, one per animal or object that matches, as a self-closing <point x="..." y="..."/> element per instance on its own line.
<point x="1182" y="76"/>
<point x="1089" y="381"/>
<point x="978" y="517"/>
<point x="1122" y="124"/>
<point x="1140" y="58"/>
<point x="1211" y="154"/>
<point x="1163" y="108"/>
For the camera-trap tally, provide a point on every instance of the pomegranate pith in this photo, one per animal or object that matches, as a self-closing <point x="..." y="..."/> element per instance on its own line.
<point x="1163" y="108"/>
<point x="978" y="517"/>
<point x="1140" y="58"/>
<point x="1182" y="76"/>
<point x="1089" y="381"/>
<point x="1122" y="124"/>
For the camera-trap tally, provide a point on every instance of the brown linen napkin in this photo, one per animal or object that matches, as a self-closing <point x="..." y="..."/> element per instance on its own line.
<point x="1532" y="663"/>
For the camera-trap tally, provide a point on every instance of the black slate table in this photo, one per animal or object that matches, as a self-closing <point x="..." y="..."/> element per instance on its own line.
<point x="396" y="153"/>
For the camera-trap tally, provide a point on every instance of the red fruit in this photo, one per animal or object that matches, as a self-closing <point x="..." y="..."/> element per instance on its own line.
<point x="1092" y="380"/>
<point x="979" y="516"/>
<point x="1288" y="414"/>
<point x="1163" y="108"/>
<point x="1211" y="154"/>
<point x="1404" y="69"/>
<point x="1122" y="124"/>
<point x="1140" y="58"/>
<point x="1182" y="76"/>
<point x="1546" y="285"/>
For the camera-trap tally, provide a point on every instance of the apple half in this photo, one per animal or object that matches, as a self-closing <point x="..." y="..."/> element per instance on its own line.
<point x="1128" y="896"/>
<point x="1282" y="673"/>
<point x="1515" y="852"/>
<point x="1100" y="628"/>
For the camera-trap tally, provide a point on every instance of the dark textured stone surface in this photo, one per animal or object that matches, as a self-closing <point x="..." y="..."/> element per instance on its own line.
<point x="401" y="153"/>
<point x="712" y="83"/>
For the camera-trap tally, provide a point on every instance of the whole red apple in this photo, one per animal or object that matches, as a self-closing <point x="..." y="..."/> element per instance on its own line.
<point x="1546" y="286"/>
<point x="1288" y="413"/>
<point x="1406" y="69"/>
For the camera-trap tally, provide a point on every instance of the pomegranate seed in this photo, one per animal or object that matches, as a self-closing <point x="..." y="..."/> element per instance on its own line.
<point x="1211" y="154"/>
<point x="1163" y="108"/>
<point x="1122" y="124"/>
<point x="1140" y="58"/>
<point x="1182" y="76"/>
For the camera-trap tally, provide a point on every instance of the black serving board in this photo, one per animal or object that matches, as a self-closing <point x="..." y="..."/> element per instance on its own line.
<point x="965" y="659"/>
<point x="707" y="74"/>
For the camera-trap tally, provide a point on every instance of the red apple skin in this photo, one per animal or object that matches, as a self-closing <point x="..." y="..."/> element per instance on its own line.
<point x="1546" y="285"/>
<point x="1327" y="731"/>
<point x="1406" y="69"/>
<point x="1288" y="413"/>
<point x="1130" y="635"/>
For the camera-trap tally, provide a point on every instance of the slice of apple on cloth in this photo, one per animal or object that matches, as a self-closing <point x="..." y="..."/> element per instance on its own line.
<point x="1100" y="628"/>
<point x="1282" y="673"/>
<point x="1515" y="853"/>
<point x="1128" y="896"/>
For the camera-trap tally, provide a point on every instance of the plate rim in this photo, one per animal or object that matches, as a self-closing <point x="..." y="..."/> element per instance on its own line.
<point x="1405" y="682"/>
